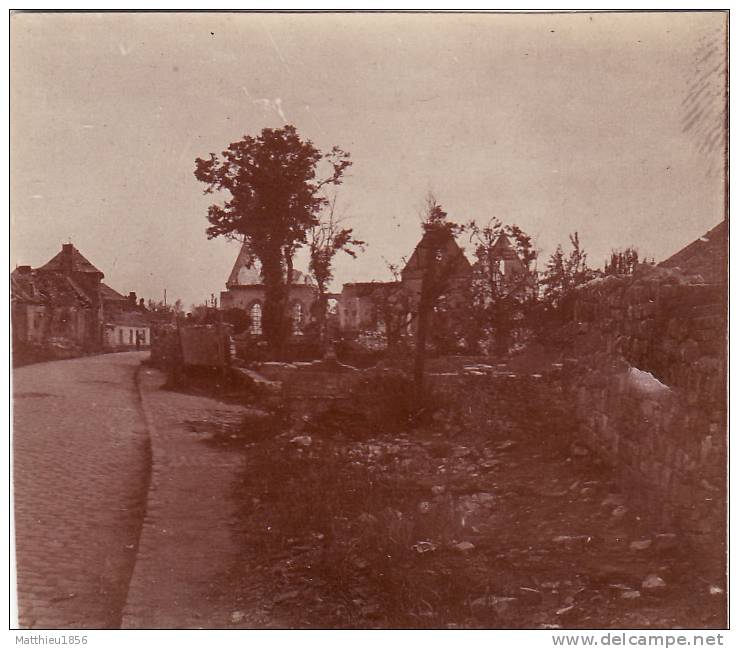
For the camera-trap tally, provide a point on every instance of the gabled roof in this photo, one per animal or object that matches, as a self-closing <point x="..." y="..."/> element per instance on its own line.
<point x="245" y="259"/>
<point x="107" y="293"/>
<point x="503" y="249"/>
<point x="129" y="319"/>
<point x="449" y="249"/>
<point x="69" y="260"/>
<point x="707" y="256"/>
<point x="245" y="272"/>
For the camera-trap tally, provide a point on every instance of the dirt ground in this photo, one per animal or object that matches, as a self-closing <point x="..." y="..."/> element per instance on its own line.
<point x="450" y="526"/>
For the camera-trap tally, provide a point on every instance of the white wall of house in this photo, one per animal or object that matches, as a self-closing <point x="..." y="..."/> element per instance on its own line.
<point x="117" y="336"/>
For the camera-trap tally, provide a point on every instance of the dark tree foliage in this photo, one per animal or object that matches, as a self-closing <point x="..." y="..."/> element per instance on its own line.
<point x="499" y="303"/>
<point x="564" y="272"/>
<point x="164" y="313"/>
<point x="275" y="199"/>
<point x="622" y="262"/>
<point x="237" y="318"/>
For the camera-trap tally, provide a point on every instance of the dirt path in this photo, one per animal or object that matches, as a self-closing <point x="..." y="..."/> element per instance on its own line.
<point x="188" y="550"/>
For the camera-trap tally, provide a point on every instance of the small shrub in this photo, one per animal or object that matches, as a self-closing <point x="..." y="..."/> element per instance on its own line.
<point x="390" y="400"/>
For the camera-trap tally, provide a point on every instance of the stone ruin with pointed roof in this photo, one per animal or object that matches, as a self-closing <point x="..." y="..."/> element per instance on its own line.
<point x="245" y="291"/>
<point x="356" y="305"/>
<point x="65" y="303"/>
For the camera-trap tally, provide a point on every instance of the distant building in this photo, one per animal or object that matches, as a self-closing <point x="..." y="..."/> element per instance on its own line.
<point x="61" y="300"/>
<point x="127" y="321"/>
<point x="448" y="256"/>
<point x="364" y="306"/>
<point x="506" y="269"/>
<point x="65" y="306"/>
<point x="128" y="330"/>
<point x="245" y="291"/>
<point x="361" y="303"/>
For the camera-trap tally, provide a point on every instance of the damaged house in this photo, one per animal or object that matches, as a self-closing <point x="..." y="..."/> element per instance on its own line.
<point x="62" y="308"/>
<point x="371" y="306"/>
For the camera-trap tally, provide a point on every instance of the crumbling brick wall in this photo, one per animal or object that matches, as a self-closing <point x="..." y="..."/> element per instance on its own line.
<point x="647" y="374"/>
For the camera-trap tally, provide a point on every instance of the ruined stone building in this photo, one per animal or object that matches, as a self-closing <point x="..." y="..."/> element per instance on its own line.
<point x="360" y="303"/>
<point x="245" y="291"/>
<point x="368" y="306"/>
<point x="506" y="268"/>
<point x="65" y="307"/>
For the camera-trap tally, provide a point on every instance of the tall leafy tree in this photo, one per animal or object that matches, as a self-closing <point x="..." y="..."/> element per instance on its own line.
<point x="276" y="196"/>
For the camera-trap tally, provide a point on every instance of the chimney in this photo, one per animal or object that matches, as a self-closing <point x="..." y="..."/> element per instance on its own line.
<point x="67" y="248"/>
<point x="24" y="270"/>
<point x="132" y="298"/>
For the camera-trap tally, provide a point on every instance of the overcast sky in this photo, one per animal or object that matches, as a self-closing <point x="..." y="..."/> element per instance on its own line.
<point x="608" y="124"/>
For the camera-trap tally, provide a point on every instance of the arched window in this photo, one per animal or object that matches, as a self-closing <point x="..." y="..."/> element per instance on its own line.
<point x="255" y="317"/>
<point x="298" y="318"/>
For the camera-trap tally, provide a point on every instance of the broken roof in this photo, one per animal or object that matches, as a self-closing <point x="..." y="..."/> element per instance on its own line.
<point x="41" y="287"/>
<point x="449" y="249"/>
<point x="503" y="249"/>
<point x="246" y="271"/>
<point x="69" y="259"/>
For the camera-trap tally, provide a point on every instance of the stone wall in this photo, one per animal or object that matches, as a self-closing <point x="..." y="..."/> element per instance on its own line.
<point x="647" y="375"/>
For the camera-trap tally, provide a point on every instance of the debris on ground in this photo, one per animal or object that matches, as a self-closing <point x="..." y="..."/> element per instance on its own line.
<point x="456" y="524"/>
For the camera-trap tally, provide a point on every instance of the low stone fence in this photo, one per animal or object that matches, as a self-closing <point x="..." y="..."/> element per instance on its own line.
<point x="311" y="386"/>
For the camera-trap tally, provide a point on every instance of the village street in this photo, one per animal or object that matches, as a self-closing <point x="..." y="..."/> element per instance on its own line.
<point x="85" y="433"/>
<point x="80" y="478"/>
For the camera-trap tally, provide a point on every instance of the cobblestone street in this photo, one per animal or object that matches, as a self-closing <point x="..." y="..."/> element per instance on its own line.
<point x="80" y="476"/>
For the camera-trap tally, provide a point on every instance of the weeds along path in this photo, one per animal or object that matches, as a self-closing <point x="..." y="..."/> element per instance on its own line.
<point x="188" y="549"/>
<point x="485" y="517"/>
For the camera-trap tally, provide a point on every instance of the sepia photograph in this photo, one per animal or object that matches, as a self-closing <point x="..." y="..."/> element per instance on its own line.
<point x="369" y="320"/>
